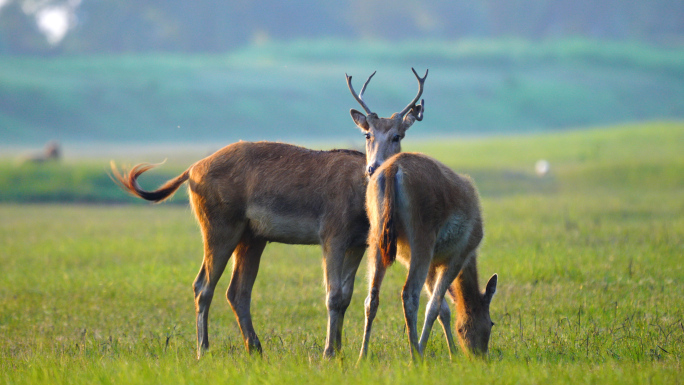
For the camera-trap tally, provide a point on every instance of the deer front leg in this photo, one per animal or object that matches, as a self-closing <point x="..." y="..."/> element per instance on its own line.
<point x="445" y="320"/>
<point x="444" y="315"/>
<point x="246" y="266"/>
<point x="437" y="306"/>
<point x="377" y="273"/>
<point x="351" y="265"/>
<point x="340" y="269"/>
<point x="431" y="312"/>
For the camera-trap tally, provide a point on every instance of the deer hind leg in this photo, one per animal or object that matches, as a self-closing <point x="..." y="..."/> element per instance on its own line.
<point x="421" y="256"/>
<point x="219" y="243"/>
<point x="437" y="284"/>
<point x="340" y="270"/>
<point x="376" y="274"/>
<point x="247" y="256"/>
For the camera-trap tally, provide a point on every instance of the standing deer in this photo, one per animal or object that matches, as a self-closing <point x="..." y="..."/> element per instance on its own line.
<point x="248" y="194"/>
<point x="428" y="216"/>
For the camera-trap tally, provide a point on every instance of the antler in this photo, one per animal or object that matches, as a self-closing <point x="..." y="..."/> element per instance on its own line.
<point x="359" y="97"/>
<point x="421" y="108"/>
<point x="412" y="105"/>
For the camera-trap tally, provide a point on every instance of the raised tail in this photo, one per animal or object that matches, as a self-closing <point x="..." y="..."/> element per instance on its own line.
<point x="129" y="182"/>
<point x="388" y="230"/>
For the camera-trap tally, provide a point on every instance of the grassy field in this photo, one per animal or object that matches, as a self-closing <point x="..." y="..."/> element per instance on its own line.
<point x="591" y="281"/>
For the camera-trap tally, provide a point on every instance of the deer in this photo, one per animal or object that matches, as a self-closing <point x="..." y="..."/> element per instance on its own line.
<point x="51" y="152"/>
<point x="429" y="218"/>
<point x="250" y="193"/>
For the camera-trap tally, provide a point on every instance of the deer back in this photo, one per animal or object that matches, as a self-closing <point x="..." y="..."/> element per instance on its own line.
<point x="277" y="185"/>
<point x="431" y="202"/>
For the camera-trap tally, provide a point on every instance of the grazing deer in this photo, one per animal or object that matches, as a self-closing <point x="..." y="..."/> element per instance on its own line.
<point x="248" y="194"/>
<point x="429" y="217"/>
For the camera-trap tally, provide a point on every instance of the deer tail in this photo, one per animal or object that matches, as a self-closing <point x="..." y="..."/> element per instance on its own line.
<point x="388" y="230"/>
<point x="129" y="182"/>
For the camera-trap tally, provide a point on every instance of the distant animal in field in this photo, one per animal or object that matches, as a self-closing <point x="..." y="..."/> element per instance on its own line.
<point x="248" y="194"/>
<point x="429" y="218"/>
<point x="51" y="153"/>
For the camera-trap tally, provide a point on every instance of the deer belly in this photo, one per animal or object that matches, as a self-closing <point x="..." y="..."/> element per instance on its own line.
<point x="453" y="236"/>
<point x="282" y="227"/>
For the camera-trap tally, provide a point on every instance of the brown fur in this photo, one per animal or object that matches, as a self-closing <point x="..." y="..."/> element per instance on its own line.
<point x="248" y="194"/>
<point x="129" y="183"/>
<point x="435" y="219"/>
<point x="388" y="238"/>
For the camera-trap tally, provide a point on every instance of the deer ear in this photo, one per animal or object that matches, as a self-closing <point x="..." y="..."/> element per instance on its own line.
<point x="359" y="119"/>
<point x="416" y="113"/>
<point x="491" y="289"/>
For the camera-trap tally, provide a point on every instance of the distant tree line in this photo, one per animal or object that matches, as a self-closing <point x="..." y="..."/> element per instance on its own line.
<point x="113" y="26"/>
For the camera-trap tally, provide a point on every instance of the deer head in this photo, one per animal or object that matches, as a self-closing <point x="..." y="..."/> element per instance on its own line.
<point x="384" y="135"/>
<point x="474" y="326"/>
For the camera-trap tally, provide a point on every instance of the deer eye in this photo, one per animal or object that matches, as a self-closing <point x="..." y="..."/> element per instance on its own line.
<point x="368" y="135"/>
<point x="396" y="138"/>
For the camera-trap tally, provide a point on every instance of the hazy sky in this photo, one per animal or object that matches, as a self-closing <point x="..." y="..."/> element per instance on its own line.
<point x="53" y="20"/>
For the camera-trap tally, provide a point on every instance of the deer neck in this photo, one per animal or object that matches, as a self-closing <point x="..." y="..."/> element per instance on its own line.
<point x="466" y="291"/>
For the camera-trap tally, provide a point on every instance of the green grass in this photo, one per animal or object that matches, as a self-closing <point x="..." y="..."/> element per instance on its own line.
<point x="71" y="182"/>
<point x="589" y="262"/>
<point x="614" y="157"/>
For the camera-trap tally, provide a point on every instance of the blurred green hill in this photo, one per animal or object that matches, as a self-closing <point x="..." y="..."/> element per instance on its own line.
<point x="297" y="90"/>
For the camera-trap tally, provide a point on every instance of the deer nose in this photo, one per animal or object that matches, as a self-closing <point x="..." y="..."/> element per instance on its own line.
<point x="370" y="170"/>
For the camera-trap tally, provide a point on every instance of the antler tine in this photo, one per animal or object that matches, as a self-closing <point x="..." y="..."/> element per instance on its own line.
<point x="359" y="97"/>
<point x="421" y="82"/>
